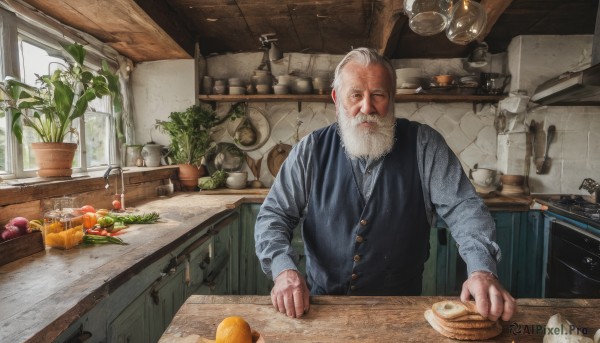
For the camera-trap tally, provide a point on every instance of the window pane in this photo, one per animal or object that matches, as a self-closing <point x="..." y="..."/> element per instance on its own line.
<point x="97" y="139"/>
<point x="35" y="60"/>
<point x="3" y="144"/>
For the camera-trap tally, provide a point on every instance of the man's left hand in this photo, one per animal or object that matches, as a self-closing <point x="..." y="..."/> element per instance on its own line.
<point x="491" y="299"/>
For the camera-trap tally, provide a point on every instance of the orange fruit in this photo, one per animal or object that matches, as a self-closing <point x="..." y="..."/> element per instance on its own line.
<point x="234" y="330"/>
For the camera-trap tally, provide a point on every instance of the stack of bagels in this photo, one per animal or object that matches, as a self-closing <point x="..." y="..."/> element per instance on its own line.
<point x="458" y="320"/>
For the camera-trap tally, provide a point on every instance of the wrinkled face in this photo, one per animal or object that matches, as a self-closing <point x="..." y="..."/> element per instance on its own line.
<point x="365" y="110"/>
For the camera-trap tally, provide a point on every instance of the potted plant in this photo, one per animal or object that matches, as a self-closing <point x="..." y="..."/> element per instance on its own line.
<point x="50" y="108"/>
<point x="190" y="133"/>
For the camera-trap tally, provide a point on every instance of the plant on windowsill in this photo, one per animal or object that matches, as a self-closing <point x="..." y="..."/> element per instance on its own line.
<point x="50" y="108"/>
<point x="190" y="134"/>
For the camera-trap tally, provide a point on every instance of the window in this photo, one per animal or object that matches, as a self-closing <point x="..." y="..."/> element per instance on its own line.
<point x="39" y="53"/>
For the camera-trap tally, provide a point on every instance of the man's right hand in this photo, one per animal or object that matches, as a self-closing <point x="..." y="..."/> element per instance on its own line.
<point x="290" y="294"/>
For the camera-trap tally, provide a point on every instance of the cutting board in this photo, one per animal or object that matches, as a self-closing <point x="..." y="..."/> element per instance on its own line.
<point x="363" y="319"/>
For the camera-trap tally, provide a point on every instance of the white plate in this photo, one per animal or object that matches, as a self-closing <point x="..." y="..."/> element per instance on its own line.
<point x="260" y="123"/>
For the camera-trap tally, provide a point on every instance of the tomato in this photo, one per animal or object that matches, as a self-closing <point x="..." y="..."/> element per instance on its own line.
<point x="116" y="204"/>
<point x="89" y="220"/>
<point x="87" y="209"/>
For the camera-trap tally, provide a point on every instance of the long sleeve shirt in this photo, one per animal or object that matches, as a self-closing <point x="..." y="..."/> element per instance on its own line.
<point x="447" y="192"/>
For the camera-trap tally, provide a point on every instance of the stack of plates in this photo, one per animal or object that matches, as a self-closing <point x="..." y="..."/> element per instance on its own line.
<point x="408" y="80"/>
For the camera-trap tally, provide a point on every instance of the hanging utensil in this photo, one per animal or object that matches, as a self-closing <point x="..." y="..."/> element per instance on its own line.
<point x="245" y="134"/>
<point x="466" y="23"/>
<point x="428" y="17"/>
<point x="543" y="164"/>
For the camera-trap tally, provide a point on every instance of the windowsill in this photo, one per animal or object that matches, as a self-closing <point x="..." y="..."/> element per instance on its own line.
<point x="16" y="191"/>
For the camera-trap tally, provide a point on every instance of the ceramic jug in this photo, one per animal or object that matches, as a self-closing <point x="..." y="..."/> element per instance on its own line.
<point x="152" y="154"/>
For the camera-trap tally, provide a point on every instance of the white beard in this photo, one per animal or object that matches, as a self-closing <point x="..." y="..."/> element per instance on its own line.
<point x="361" y="142"/>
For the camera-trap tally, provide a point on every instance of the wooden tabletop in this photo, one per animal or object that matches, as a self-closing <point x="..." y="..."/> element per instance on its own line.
<point x="364" y="319"/>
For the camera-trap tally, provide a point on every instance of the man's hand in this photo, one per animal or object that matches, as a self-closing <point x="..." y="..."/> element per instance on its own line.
<point x="290" y="294"/>
<point x="491" y="299"/>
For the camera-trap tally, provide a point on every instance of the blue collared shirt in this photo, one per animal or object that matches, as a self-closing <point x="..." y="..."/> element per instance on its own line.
<point x="446" y="190"/>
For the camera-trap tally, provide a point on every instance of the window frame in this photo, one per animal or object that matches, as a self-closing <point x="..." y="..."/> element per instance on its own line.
<point x="13" y="29"/>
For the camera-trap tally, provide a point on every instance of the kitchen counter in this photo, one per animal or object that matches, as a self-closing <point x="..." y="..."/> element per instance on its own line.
<point x="42" y="294"/>
<point x="364" y="319"/>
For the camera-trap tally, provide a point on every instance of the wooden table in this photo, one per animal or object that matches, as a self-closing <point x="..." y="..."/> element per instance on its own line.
<point x="364" y="319"/>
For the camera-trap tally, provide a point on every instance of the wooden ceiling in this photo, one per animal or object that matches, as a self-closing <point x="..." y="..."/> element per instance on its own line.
<point x="147" y="30"/>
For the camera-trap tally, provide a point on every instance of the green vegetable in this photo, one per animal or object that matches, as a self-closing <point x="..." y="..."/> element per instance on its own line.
<point x="105" y="221"/>
<point x="214" y="181"/>
<point x="97" y="239"/>
<point x="145" y="218"/>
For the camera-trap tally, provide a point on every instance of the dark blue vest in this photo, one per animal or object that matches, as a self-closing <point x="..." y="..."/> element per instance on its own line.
<point x="373" y="248"/>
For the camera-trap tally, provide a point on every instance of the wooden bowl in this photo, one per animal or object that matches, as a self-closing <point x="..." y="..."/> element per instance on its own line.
<point x="513" y="180"/>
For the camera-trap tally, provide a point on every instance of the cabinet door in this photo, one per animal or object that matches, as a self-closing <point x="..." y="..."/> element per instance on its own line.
<point x="253" y="280"/>
<point x="199" y="266"/>
<point x="452" y="270"/>
<point x="163" y="300"/>
<point x="530" y="266"/>
<point x="130" y="326"/>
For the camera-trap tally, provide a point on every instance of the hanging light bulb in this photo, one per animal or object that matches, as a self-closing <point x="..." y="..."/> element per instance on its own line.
<point x="428" y="17"/>
<point x="466" y="23"/>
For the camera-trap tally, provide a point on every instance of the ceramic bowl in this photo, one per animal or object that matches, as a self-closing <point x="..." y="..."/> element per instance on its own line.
<point x="236" y="180"/>
<point x="237" y="90"/>
<point x="444" y="80"/>
<point x="263" y="89"/>
<point x="219" y="89"/>
<point x="236" y="81"/>
<point x="281" y="89"/>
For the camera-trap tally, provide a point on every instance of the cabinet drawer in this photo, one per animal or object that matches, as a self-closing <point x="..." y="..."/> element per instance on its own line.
<point x="200" y="265"/>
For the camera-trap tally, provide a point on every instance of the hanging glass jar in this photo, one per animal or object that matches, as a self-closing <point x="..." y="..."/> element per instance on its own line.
<point x="468" y="21"/>
<point x="428" y="17"/>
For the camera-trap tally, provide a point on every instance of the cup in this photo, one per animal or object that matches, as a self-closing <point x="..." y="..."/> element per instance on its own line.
<point x="207" y="84"/>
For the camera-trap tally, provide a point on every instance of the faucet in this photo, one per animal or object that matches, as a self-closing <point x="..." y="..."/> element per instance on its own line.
<point x="592" y="187"/>
<point x="120" y="171"/>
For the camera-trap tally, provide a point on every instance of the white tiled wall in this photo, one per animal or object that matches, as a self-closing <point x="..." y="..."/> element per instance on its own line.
<point x="469" y="131"/>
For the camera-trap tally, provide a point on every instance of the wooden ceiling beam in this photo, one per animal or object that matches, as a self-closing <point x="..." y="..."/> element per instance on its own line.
<point x="123" y="25"/>
<point x="493" y="9"/>
<point x="389" y="21"/>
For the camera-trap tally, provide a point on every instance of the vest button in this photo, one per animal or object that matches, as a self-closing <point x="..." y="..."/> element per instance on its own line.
<point x="356" y="258"/>
<point x="363" y="222"/>
<point x="359" y="239"/>
<point x="354" y="276"/>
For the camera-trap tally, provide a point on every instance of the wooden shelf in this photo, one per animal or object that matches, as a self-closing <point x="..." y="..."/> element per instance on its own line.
<point x="327" y="98"/>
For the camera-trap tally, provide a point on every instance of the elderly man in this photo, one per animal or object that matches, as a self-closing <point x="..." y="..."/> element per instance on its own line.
<point x="366" y="189"/>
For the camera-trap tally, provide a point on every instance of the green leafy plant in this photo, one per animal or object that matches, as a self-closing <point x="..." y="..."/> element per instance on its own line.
<point x="59" y="98"/>
<point x="190" y="133"/>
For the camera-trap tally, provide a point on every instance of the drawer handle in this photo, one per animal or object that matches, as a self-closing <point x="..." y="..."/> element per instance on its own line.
<point x="204" y="263"/>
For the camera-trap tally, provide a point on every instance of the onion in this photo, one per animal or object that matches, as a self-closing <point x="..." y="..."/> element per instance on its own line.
<point x="10" y="232"/>
<point x="21" y="223"/>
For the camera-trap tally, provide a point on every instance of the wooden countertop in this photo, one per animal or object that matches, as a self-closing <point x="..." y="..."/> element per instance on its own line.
<point x="364" y="319"/>
<point x="33" y="302"/>
<point x="40" y="295"/>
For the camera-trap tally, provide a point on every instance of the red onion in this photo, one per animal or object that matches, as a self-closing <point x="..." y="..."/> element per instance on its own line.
<point x="21" y="223"/>
<point x="10" y="232"/>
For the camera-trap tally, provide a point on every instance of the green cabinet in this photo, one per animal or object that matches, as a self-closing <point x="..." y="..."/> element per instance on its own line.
<point x="253" y="280"/>
<point x="208" y="263"/>
<point x="519" y="235"/>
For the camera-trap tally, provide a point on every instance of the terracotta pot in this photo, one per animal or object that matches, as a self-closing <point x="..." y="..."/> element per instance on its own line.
<point x="54" y="159"/>
<point x="188" y="176"/>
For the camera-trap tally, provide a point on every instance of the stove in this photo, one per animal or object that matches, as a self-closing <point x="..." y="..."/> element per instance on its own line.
<point x="576" y="207"/>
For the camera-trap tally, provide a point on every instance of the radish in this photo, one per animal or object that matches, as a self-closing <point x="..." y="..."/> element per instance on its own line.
<point x="19" y="222"/>
<point x="10" y="232"/>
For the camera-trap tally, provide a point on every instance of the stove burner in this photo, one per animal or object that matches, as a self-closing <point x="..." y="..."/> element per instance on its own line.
<point x="578" y="205"/>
